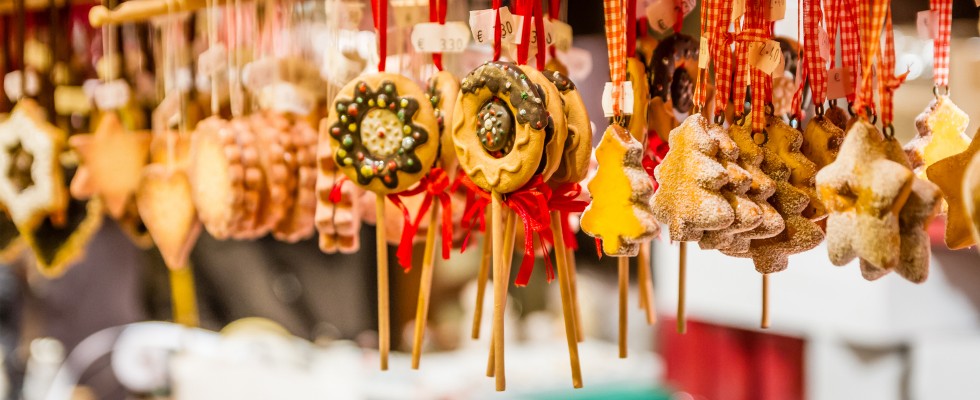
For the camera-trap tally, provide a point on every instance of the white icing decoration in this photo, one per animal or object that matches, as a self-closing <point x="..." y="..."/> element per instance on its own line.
<point x="381" y="132"/>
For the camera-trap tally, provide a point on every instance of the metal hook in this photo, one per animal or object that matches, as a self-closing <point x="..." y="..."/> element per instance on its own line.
<point x="889" y="131"/>
<point x="818" y="109"/>
<point x="935" y="90"/>
<point x="719" y="119"/>
<point x="760" y="138"/>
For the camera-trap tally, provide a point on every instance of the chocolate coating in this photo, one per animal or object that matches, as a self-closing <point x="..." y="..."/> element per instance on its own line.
<point x="496" y="128"/>
<point x="507" y="79"/>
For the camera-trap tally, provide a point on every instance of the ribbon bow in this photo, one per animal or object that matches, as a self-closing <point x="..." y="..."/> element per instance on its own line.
<point x="564" y="199"/>
<point x="434" y="185"/>
<point x="530" y="203"/>
<point x="475" y="209"/>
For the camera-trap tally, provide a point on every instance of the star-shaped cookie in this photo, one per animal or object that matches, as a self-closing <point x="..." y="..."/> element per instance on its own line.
<point x="971" y="195"/>
<point x="112" y="161"/>
<point x="30" y="175"/>
<point x="948" y="174"/>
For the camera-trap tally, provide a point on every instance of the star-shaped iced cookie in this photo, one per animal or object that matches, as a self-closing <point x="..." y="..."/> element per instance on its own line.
<point x="30" y="175"/>
<point x="112" y="160"/>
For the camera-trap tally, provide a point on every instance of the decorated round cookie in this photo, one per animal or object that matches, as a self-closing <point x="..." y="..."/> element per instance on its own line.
<point x="578" y="143"/>
<point x="442" y="91"/>
<point x="217" y="177"/>
<point x="675" y="63"/>
<point x="557" y="129"/>
<point x="383" y="132"/>
<point x="499" y="126"/>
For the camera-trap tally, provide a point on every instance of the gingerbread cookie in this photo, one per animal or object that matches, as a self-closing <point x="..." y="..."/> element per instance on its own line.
<point x="748" y="214"/>
<point x="499" y="126"/>
<point x="298" y="223"/>
<point x="165" y="202"/>
<point x="636" y="74"/>
<point x="217" y="176"/>
<point x="578" y="144"/>
<point x="112" y="162"/>
<point x="821" y="141"/>
<point x="31" y="184"/>
<point x="384" y="132"/>
<point x="620" y="192"/>
<point x="948" y="174"/>
<point x="787" y="141"/>
<point x="271" y="138"/>
<point x="761" y="189"/>
<point x="557" y="129"/>
<point x="971" y="196"/>
<point x="248" y="225"/>
<point x="864" y="191"/>
<point x="837" y="116"/>
<point x="443" y="90"/>
<point x="691" y="178"/>
<point x="941" y="133"/>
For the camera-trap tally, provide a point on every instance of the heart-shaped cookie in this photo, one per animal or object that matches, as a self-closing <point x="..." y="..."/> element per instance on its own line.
<point x="167" y="209"/>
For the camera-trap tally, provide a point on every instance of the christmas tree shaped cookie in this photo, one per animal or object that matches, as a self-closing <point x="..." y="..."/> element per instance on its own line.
<point x="761" y="188"/>
<point x="748" y="214"/>
<point x="948" y="174"/>
<point x="689" y="199"/>
<point x="941" y="133"/>
<point x="620" y="211"/>
<point x="787" y="142"/>
<point x="821" y="140"/>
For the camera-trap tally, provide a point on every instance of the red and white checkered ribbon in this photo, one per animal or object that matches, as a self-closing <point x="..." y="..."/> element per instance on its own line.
<point x="718" y="13"/>
<point x="872" y="13"/>
<point x="841" y="14"/>
<point x="888" y="82"/>
<point x="615" y="11"/>
<point x="814" y="66"/>
<point x="940" y="45"/>
<point x="755" y="28"/>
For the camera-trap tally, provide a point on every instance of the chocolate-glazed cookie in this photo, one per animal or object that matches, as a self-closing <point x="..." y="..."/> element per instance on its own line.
<point x="497" y="104"/>
<point x="384" y="132"/>
<point x="675" y="55"/>
<point x="557" y="129"/>
<point x="578" y="144"/>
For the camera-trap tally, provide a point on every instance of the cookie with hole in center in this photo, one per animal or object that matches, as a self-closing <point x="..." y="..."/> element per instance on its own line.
<point x="578" y="143"/>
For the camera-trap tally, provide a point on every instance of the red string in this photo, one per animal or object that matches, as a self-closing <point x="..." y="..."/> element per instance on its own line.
<point x="888" y="83"/>
<point x="940" y="45"/>
<point x="434" y="185"/>
<point x="437" y="13"/>
<point x="475" y="209"/>
<point x="872" y="20"/>
<point x="496" y="30"/>
<point x="524" y="8"/>
<point x="679" y="20"/>
<point x="530" y="203"/>
<point x="336" y="194"/>
<point x="539" y="31"/>
<point x="565" y="200"/>
<point x="379" y="10"/>
<point x="630" y="28"/>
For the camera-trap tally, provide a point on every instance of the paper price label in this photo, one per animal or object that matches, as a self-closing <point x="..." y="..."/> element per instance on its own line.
<point x="704" y="54"/>
<point x="927" y="24"/>
<point x="765" y="55"/>
<point x="840" y="83"/>
<point x="483" y="21"/>
<point x="430" y="37"/>
<point x="559" y="34"/>
<point x="738" y="9"/>
<point x="625" y="101"/>
<point x="776" y="10"/>
<point x="662" y="14"/>
<point x="823" y="44"/>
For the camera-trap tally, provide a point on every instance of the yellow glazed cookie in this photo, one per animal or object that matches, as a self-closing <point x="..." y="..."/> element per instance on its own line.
<point x="948" y="174"/>
<point x="499" y="126"/>
<point x="384" y="131"/>
<point x="941" y="133"/>
<point x="689" y="199"/>
<point x="620" y="211"/>
<point x="578" y="144"/>
<point x="557" y="129"/>
<point x="864" y="191"/>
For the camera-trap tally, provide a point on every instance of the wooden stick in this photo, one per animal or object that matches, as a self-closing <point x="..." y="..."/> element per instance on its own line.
<point x="573" y="282"/>
<point x="645" y="282"/>
<point x="142" y="10"/>
<point x="500" y="283"/>
<point x="425" y="284"/>
<point x="565" y="288"/>
<point x="481" y="282"/>
<point x="624" y="282"/>
<point x="384" y="320"/>
<point x="681" y="288"/>
<point x="183" y="299"/>
<point x="510" y="235"/>
<point x="765" y="301"/>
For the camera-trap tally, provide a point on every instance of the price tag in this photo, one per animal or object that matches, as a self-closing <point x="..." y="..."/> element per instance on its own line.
<point x="431" y="37"/>
<point x="212" y="60"/>
<point x="483" y="21"/>
<point x="578" y="61"/>
<point x="776" y="10"/>
<point x="661" y="15"/>
<point x="625" y="102"/>
<point x="738" y="9"/>
<point x="765" y="55"/>
<point x="823" y="44"/>
<point x="704" y="54"/>
<point x="12" y="84"/>
<point x="112" y="95"/>
<point x="927" y="24"/>
<point x="840" y="83"/>
<point x="558" y="34"/>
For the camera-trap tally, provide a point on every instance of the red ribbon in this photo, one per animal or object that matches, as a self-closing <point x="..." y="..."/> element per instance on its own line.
<point x="653" y="155"/>
<point x="474" y="212"/>
<point x="336" y="194"/>
<point x="496" y="31"/>
<point x="379" y="10"/>
<point x="433" y="185"/>
<point x="565" y="200"/>
<point x="437" y="13"/>
<point x="530" y="203"/>
<point x="524" y="8"/>
<point x="539" y="31"/>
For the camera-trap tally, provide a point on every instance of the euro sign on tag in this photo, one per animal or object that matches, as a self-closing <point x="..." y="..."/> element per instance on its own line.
<point x="431" y="37"/>
<point x="840" y="83"/>
<point x="483" y="21"/>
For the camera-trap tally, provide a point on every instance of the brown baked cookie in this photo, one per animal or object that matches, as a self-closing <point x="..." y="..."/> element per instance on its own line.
<point x="217" y="176"/>
<point x="941" y="133"/>
<point x="637" y="122"/>
<point x="837" y="115"/>
<point x="971" y="196"/>
<point x="557" y="130"/>
<point x="299" y="222"/>
<point x="268" y="129"/>
<point x="748" y="214"/>
<point x="691" y="177"/>
<point x="112" y="160"/>
<point x="821" y="141"/>
<point x="675" y="70"/>
<point x="864" y="191"/>
<point x="645" y="46"/>
<point x="787" y="141"/>
<point x="165" y="203"/>
<point x="499" y="126"/>
<point x="443" y="89"/>
<point x="253" y="183"/>
<point x="948" y="173"/>
<point x="578" y="144"/>
<point x="384" y="131"/>
<point x="762" y="187"/>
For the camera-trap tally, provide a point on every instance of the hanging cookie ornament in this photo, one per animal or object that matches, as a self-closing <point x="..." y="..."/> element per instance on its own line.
<point x="971" y="196"/>
<point x="383" y="132"/>
<point x="948" y="174"/>
<point x="112" y="159"/>
<point x="823" y="135"/>
<point x="31" y="185"/>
